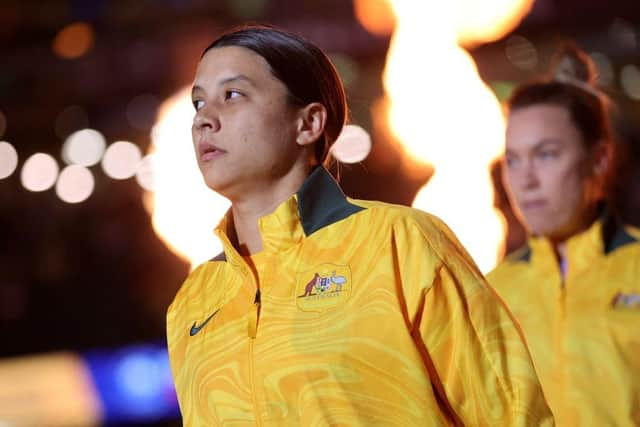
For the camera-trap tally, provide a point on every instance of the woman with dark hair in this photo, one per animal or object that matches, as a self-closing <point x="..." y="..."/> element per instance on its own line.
<point x="575" y="286"/>
<point x="323" y="310"/>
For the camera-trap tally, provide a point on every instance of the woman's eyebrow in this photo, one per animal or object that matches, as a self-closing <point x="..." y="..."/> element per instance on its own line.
<point x="224" y="81"/>
<point x="546" y="141"/>
<point x="538" y="145"/>
<point x="237" y="77"/>
<point x="196" y="89"/>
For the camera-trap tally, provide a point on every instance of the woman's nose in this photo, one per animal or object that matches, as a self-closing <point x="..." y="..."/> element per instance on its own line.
<point x="530" y="176"/>
<point x="206" y="119"/>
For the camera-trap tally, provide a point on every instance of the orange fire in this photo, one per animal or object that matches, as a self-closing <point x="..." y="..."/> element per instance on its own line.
<point x="375" y="15"/>
<point x="485" y="21"/>
<point x="444" y="114"/>
<point x="474" y="21"/>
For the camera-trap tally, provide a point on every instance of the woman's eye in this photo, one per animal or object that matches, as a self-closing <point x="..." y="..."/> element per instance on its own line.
<point x="197" y="104"/>
<point x="511" y="161"/>
<point x="230" y="94"/>
<point x="547" y="155"/>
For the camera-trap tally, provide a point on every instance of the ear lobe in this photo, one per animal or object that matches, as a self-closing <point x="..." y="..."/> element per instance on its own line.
<point x="311" y="122"/>
<point x="600" y="167"/>
<point x="601" y="159"/>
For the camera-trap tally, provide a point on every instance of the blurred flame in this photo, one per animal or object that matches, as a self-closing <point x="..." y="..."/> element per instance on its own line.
<point x="486" y="21"/>
<point x="184" y="210"/>
<point x="375" y="15"/>
<point x="473" y="21"/>
<point x="443" y="113"/>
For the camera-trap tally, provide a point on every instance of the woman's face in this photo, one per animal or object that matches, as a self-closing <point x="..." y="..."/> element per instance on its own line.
<point x="244" y="130"/>
<point x="547" y="171"/>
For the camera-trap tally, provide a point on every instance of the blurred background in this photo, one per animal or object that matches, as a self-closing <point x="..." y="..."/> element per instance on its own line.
<point x="102" y="209"/>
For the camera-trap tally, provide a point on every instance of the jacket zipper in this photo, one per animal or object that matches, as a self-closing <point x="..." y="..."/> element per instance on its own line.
<point x="254" y="317"/>
<point x="561" y="345"/>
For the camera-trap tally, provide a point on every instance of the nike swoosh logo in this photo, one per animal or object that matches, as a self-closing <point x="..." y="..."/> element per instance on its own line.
<point x="195" y="329"/>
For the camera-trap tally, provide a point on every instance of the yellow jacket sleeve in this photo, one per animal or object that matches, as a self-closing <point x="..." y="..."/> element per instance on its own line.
<point x="473" y="349"/>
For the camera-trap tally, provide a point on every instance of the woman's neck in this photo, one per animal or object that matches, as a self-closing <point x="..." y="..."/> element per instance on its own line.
<point x="560" y="250"/>
<point x="263" y="200"/>
<point x="559" y="243"/>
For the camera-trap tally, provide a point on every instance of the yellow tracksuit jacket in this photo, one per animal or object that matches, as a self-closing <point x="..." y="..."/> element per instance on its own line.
<point x="583" y="330"/>
<point x="355" y="313"/>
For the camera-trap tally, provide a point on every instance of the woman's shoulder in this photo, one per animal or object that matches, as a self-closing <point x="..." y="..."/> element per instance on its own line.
<point x="415" y="226"/>
<point x="379" y="207"/>
<point x="399" y="214"/>
<point x="195" y="284"/>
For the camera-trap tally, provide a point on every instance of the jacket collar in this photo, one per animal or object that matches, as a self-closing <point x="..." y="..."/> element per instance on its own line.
<point x="318" y="203"/>
<point x="603" y="237"/>
<point x="321" y="202"/>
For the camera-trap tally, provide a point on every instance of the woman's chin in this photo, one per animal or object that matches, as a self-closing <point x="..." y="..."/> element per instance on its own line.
<point x="540" y="227"/>
<point x="217" y="183"/>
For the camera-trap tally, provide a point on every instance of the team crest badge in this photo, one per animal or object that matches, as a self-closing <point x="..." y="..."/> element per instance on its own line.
<point x="630" y="301"/>
<point x="323" y="287"/>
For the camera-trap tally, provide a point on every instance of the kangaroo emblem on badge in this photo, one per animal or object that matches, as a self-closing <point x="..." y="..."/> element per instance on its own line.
<point x="324" y="287"/>
<point x="323" y="284"/>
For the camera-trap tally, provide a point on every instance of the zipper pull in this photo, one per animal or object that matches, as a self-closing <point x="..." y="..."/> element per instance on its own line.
<point x="254" y="316"/>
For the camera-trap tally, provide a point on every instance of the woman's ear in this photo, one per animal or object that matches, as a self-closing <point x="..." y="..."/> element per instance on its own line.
<point x="599" y="165"/>
<point x="600" y="158"/>
<point x="311" y="122"/>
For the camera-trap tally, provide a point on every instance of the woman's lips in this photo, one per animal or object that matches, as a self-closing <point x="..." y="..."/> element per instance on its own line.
<point x="208" y="151"/>
<point x="533" y="204"/>
<point x="210" y="155"/>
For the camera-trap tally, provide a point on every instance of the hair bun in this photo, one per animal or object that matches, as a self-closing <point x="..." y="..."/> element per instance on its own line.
<point x="572" y="64"/>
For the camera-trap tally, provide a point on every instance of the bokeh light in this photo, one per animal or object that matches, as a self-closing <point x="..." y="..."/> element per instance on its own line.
<point x="8" y="159"/>
<point x="48" y="390"/>
<point x="84" y="147"/>
<point x="353" y="145"/>
<point x="630" y="81"/>
<point x="185" y="211"/>
<point x="134" y="383"/>
<point x="604" y="67"/>
<point x="145" y="174"/>
<point x="623" y="35"/>
<point x="140" y="374"/>
<point x="39" y="172"/>
<point x="121" y="160"/>
<point x="521" y="53"/>
<point x="71" y="119"/>
<point x="74" y="40"/>
<point x="75" y="184"/>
